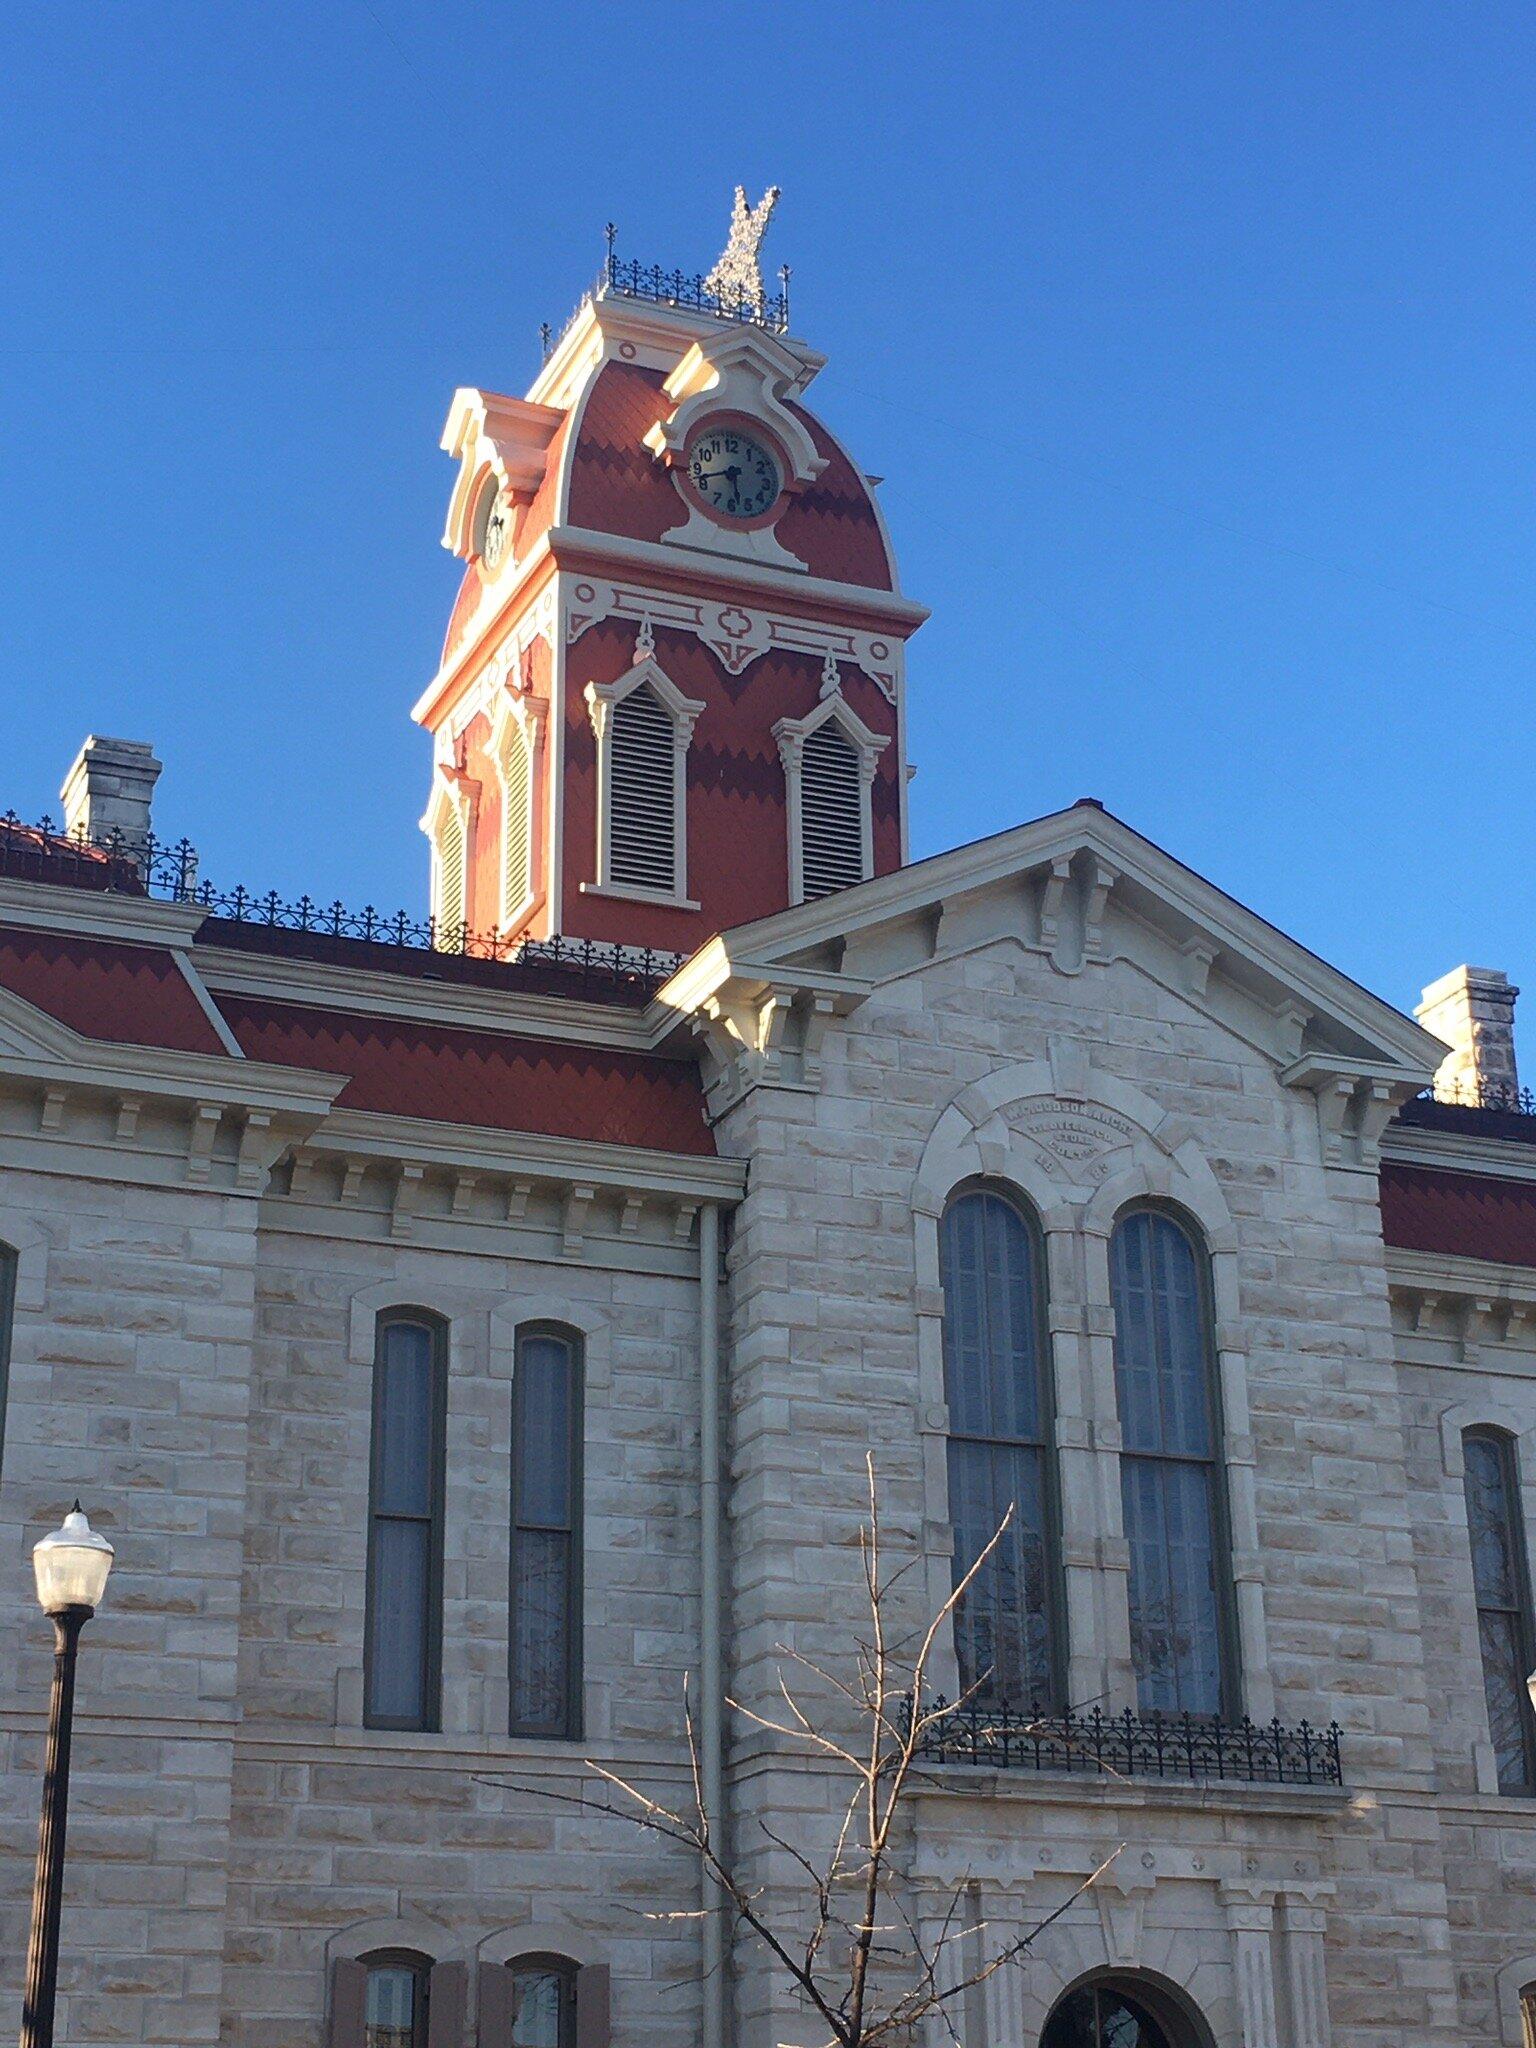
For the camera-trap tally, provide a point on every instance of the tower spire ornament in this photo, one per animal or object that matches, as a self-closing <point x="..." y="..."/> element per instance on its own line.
<point x="737" y="279"/>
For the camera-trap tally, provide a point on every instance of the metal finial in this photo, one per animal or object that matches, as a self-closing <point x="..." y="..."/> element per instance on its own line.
<point x="546" y="338"/>
<point x="737" y="279"/>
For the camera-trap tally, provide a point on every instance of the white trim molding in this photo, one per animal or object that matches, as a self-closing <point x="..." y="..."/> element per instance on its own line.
<point x="449" y="804"/>
<point x="792" y="734"/>
<point x="602" y="699"/>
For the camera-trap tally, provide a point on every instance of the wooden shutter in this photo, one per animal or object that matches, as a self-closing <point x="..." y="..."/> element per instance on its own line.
<point x="451" y="855"/>
<point x="517" y="813"/>
<point x="349" y="2000"/>
<point x="495" y="2023"/>
<point x="642" y="806"/>
<point x="593" y="2024"/>
<point x="446" y="1991"/>
<point x="831" y="820"/>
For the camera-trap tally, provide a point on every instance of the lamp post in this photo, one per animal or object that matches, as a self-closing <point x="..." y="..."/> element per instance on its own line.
<point x="71" y="1568"/>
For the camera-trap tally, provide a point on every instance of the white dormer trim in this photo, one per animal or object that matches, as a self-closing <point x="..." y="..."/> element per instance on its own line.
<point x="519" y="721"/>
<point x="747" y="374"/>
<point x="792" y="734"/>
<point x="601" y="700"/>
<point x="449" y="807"/>
<point x="492" y="435"/>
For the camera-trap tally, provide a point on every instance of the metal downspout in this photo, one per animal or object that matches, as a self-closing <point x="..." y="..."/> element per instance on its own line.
<point x="711" y="1665"/>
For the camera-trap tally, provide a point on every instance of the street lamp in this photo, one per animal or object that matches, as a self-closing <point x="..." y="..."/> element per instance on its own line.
<point x="71" y="1568"/>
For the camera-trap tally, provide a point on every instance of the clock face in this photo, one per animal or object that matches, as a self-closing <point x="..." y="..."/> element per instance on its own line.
<point x="735" y="475"/>
<point x="498" y="531"/>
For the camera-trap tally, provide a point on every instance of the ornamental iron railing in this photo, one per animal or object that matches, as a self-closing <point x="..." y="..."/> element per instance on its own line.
<point x="624" y="278"/>
<point x="1468" y="1092"/>
<point x="1129" y="1745"/>
<point x="117" y="863"/>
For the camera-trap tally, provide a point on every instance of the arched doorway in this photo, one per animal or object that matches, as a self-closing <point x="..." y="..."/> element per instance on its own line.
<point x="1113" y="2012"/>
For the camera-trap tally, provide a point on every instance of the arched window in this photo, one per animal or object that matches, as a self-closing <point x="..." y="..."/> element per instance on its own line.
<point x="642" y="806"/>
<point x="395" y="2001"/>
<point x="1116" y="2015"/>
<point x="643" y="724"/>
<point x="544" y="1650"/>
<point x="1528" y="2014"/>
<point x="832" y="807"/>
<point x="543" y="2002"/>
<point x="1502" y="1579"/>
<point x="516" y="824"/>
<point x="997" y="1387"/>
<point x="1182" y="1638"/>
<point x="403" y="1630"/>
<point x="8" y="1263"/>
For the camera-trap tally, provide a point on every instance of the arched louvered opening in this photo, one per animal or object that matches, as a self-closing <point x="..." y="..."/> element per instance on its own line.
<point x="831" y="820"/>
<point x="452" y="860"/>
<point x="642" y="794"/>
<point x="516" y="825"/>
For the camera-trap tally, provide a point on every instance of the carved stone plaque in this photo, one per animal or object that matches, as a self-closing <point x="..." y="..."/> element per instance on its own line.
<point x="1074" y="1133"/>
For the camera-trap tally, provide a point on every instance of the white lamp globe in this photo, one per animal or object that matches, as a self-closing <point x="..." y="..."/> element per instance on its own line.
<point x="71" y="1565"/>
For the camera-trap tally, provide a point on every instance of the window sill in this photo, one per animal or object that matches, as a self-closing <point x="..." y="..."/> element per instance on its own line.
<point x="667" y="899"/>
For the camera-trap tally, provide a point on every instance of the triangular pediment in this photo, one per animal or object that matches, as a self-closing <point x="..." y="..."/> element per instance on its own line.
<point x="1083" y="890"/>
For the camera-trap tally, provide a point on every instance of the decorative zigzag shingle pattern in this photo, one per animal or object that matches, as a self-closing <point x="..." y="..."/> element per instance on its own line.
<point x="618" y="486"/>
<point x="399" y="1067"/>
<point x="128" y="995"/>
<point x="1467" y="1215"/>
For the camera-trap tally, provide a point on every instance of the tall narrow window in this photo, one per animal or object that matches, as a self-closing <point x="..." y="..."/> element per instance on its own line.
<point x="516" y="824"/>
<point x="1170" y="1472"/>
<point x="997" y="1388"/>
<point x="452" y="868"/>
<point x="403" y="1632"/>
<point x="642" y="797"/>
<point x="7" y="1319"/>
<point x="832" y="833"/>
<point x="545" y="1632"/>
<point x="395" y="2002"/>
<point x="1502" y="1579"/>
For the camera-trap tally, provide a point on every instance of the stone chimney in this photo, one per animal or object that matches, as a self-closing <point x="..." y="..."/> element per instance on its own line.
<point x="1473" y="1010"/>
<point x="109" y="789"/>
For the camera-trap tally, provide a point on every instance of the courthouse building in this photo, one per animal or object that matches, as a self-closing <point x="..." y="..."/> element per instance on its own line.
<point x="465" y="1332"/>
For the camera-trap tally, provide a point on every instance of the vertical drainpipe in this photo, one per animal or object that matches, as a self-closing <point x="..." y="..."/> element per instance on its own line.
<point x="711" y="1665"/>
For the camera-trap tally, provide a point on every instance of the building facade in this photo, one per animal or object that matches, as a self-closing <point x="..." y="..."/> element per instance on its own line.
<point x="467" y="1334"/>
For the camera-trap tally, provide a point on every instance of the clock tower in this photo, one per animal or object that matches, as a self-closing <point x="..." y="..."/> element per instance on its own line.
<point x="671" y="695"/>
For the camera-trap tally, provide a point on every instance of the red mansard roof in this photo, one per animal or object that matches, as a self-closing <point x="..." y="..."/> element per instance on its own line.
<point x="1468" y="1215"/>
<point x="131" y="995"/>
<point x="451" y="1075"/>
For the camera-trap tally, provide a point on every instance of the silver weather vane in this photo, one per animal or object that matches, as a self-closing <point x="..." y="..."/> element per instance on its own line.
<point x="737" y="278"/>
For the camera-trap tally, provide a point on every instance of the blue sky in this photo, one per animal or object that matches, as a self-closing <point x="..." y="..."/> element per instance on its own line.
<point x="1194" y="342"/>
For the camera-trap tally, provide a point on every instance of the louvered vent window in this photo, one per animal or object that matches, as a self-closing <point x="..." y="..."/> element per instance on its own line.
<point x="515" y="822"/>
<point x="831" y="827"/>
<point x="450" y="893"/>
<point x="642" y="809"/>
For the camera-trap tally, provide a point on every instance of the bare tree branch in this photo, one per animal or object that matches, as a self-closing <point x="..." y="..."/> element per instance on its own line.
<point x="842" y="1935"/>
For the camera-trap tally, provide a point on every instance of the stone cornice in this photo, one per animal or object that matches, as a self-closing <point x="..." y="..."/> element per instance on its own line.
<point x="370" y="992"/>
<point x="1458" y="1152"/>
<point x="97" y="914"/>
<point x="533" y="1155"/>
